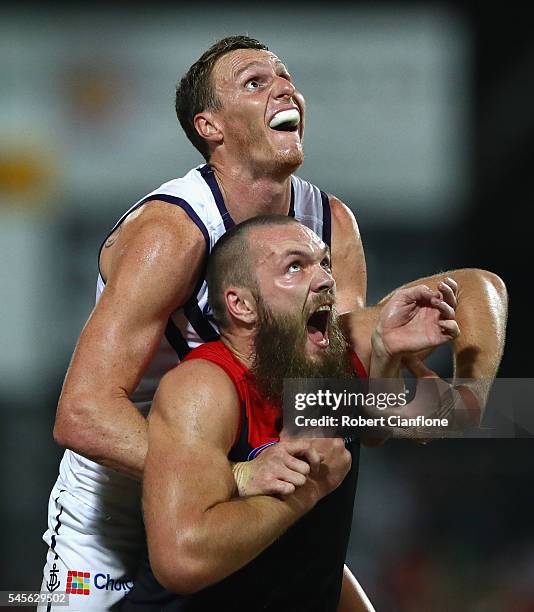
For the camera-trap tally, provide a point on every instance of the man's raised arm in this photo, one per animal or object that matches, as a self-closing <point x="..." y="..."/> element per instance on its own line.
<point x="150" y="271"/>
<point x="197" y="532"/>
<point x="481" y="309"/>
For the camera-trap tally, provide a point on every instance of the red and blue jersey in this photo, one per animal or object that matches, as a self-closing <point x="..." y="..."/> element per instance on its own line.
<point x="302" y="571"/>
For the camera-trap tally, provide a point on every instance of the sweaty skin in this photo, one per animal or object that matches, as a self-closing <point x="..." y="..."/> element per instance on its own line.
<point x="154" y="263"/>
<point x="197" y="532"/>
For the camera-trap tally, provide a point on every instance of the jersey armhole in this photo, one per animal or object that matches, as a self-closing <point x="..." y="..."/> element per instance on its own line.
<point x="161" y="197"/>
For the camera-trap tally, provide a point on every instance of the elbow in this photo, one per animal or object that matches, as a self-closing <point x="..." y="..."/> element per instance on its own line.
<point x="185" y="577"/>
<point x="180" y="560"/>
<point x="67" y="431"/>
<point x="491" y="281"/>
<point x="495" y="293"/>
<point x="495" y="282"/>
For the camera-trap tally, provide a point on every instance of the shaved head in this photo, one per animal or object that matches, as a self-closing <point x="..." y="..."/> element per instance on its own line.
<point x="232" y="261"/>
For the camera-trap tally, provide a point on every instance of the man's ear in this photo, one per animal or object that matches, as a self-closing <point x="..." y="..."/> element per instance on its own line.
<point x="208" y="127"/>
<point x="241" y="304"/>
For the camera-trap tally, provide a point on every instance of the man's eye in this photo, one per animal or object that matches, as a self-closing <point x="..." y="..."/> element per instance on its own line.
<point x="326" y="264"/>
<point x="294" y="267"/>
<point x="252" y="84"/>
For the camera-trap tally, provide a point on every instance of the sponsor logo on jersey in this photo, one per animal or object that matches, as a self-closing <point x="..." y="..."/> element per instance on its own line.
<point x="106" y="582"/>
<point x="78" y="583"/>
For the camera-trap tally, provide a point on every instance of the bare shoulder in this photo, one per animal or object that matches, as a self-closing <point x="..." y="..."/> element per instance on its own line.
<point x="157" y="230"/>
<point x="348" y="259"/>
<point x="342" y="215"/>
<point x="200" y="399"/>
<point x="159" y="252"/>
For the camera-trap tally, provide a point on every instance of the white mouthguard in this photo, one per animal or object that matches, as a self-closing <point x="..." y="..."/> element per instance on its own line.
<point x="291" y="116"/>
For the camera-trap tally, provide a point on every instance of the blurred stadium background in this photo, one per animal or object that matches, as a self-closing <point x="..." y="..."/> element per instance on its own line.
<point x="419" y="116"/>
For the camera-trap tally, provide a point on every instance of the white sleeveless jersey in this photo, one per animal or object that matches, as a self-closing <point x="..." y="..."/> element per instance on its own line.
<point x="198" y="194"/>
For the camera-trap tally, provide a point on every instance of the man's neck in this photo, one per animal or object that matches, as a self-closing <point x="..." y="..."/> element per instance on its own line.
<point x="247" y="195"/>
<point x="241" y="345"/>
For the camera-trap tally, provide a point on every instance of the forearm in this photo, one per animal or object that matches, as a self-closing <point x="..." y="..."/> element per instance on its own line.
<point x="114" y="432"/>
<point x="384" y="377"/>
<point x="222" y="540"/>
<point x="481" y="314"/>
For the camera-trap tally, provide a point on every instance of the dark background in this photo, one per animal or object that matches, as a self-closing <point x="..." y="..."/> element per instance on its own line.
<point x="443" y="527"/>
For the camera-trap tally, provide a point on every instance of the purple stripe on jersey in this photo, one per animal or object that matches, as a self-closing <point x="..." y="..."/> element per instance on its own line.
<point x="176" y="340"/>
<point x="203" y="328"/>
<point x="256" y="451"/>
<point x="327" y="220"/>
<point x="191" y="309"/>
<point x="292" y="201"/>
<point x="208" y="175"/>
<point x="53" y="539"/>
<point x="186" y="207"/>
<point x="199" y="320"/>
<point x="163" y="197"/>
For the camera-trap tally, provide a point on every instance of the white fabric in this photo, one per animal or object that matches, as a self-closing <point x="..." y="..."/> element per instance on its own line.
<point x="103" y="492"/>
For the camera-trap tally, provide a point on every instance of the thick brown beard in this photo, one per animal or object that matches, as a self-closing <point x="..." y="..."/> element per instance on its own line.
<point x="280" y="352"/>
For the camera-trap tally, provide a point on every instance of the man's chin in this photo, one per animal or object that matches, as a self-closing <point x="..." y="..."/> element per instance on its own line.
<point x="314" y="352"/>
<point x="289" y="158"/>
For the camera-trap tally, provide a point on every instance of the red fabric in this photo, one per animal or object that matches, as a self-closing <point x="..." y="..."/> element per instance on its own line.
<point x="264" y="417"/>
<point x="359" y="368"/>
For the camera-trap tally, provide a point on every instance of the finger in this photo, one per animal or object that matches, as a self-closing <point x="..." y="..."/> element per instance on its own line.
<point x="449" y="295"/>
<point x="419" y="369"/>
<point x="281" y="487"/>
<point x="295" y="478"/>
<point x="420" y="292"/>
<point x="450" y="329"/>
<point x="451" y="283"/>
<point x="313" y="457"/>
<point x="302" y="447"/>
<point x="446" y="311"/>
<point x="295" y="446"/>
<point x="297" y="465"/>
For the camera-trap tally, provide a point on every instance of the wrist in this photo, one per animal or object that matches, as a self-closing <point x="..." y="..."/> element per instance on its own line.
<point x="240" y="473"/>
<point x="472" y="409"/>
<point x="383" y="363"/>
<point x="303" y="499"/>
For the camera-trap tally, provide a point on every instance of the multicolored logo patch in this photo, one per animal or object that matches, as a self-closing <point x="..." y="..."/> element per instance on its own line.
<point x="78" y="583"/>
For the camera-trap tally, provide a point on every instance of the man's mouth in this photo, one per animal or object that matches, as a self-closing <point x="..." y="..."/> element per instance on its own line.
<point x="317" y="326"/>
<point x="286" y="120"/>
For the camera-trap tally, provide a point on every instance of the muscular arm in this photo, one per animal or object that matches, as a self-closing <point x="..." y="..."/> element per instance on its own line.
<point x="197" y="532"/>
<point x="481" y="312"/>
<point x="481" y="315"/>
<point x="348" y="259"/>
<point x="151" y="266"/>
<point x="150" y="270"/>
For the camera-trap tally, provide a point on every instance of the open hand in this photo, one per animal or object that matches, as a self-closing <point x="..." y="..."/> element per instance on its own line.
<point x="417" y="319"/>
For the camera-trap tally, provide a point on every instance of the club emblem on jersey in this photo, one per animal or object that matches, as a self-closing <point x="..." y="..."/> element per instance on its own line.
<point x="53" y="581"/>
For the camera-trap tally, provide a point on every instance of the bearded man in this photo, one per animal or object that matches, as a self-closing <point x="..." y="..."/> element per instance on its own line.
<point x="276" y="312"/>
<point x="240" y="108"/>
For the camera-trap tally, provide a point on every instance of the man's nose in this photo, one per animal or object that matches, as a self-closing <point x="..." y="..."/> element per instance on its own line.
<point x="284" y="88"/>
<point x="323" y="280"/>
